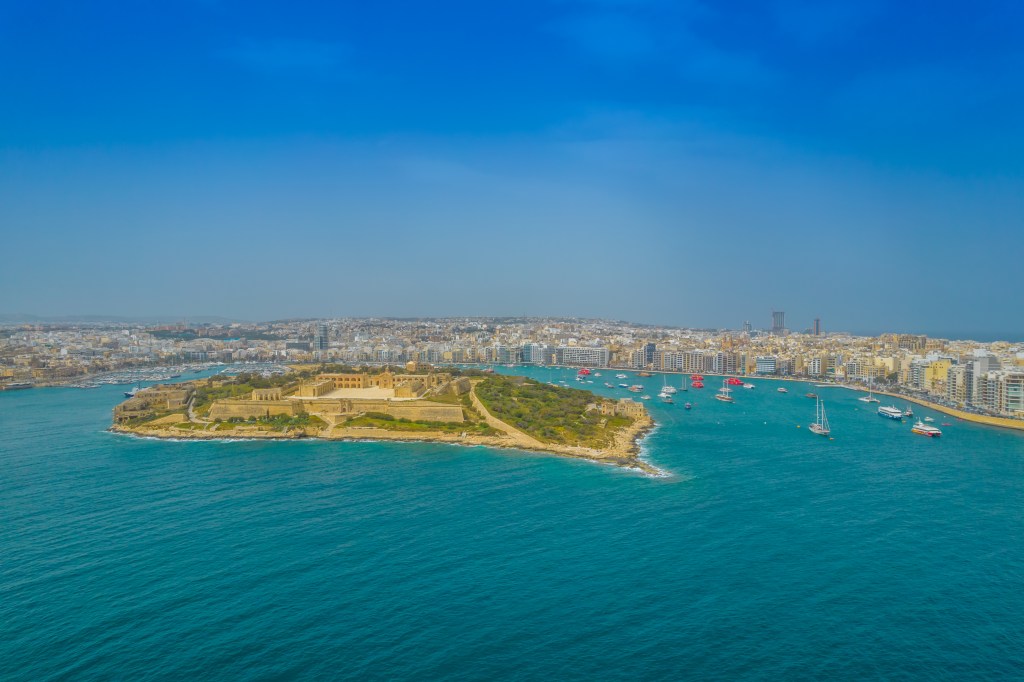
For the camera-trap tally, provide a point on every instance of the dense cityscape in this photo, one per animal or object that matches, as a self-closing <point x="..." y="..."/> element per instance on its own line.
<point x="984" y="378"/>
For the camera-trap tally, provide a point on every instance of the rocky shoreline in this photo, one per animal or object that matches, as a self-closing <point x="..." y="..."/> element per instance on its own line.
<point x="625" y="452"/>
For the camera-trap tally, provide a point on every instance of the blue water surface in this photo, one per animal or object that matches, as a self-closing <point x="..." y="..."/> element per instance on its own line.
<point x="767" y="553"/>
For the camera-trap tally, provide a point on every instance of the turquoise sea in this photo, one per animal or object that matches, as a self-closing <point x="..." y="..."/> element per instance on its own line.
<point x="768" y="553"/>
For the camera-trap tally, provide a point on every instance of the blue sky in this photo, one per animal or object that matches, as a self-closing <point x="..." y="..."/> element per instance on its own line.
<point x="671" y="162"/>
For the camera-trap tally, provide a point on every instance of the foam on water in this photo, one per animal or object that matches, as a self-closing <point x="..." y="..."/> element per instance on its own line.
<point x="767" y="553"/>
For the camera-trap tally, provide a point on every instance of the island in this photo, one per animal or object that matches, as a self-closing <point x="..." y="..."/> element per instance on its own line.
<point x="332" y="402"/>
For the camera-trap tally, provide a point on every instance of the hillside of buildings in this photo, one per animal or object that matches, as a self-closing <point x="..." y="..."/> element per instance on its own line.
<point x="978" y="378"/>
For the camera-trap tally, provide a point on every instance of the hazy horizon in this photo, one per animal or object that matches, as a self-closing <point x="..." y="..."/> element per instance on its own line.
<point x="961" y="335"/>
<point x="680" y="164"/>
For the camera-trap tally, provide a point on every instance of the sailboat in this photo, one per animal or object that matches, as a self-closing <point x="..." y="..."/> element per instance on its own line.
<point x="724" y="393"/>
<point x="868" y="398"/>
<point x="665" y="388"/>
<point x="820" y="425"/>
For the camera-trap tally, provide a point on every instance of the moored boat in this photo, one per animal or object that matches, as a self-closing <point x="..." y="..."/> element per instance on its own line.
<point x="782" y="389"/>
<point x="923" y="429"/>
<point x="16" y="386"/>
<point x="725" y="394"/>
<point x="820" y="425"/>
<point x="890" y="411"/>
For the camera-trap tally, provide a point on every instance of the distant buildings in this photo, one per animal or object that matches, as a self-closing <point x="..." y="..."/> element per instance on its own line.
<point x="778" y="322"/>
<point x="320" y="340"/>
<point x="985" y="377"/>
<point x="581" y="356"/>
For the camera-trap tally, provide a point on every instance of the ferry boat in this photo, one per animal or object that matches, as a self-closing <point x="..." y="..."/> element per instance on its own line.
<point x="891" y="411"/>
<point x="923" y="429"/>
<point x="583" y="372"/>
<point x="697" y="384"/>
<point x="820" y="425"/>
<point x="782" y="389"/>
<point x="16" y="386"/>
<point x="725" y="394"/>
<point x="733" y="381"/>
<point x="696" y="377"/>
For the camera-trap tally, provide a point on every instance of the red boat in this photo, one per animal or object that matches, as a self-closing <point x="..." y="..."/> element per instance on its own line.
<point x="583" y="372"/>
<point x="733" y="381"/>
<point x="697" y="384"/>
<point x="696" y="377"/>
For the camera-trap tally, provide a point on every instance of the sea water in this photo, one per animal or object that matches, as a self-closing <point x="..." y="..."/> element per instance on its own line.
<point x="767" y="552"/>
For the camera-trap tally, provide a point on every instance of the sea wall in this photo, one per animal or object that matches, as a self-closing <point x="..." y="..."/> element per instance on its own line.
<point x="226" y="409"/>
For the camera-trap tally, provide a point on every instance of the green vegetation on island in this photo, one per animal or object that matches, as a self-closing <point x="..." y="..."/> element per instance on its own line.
<point x="466" y="407"/>
<point x="551" y="414"/>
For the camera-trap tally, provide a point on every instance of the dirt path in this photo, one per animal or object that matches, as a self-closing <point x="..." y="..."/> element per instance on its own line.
<point x="515" y="434"/>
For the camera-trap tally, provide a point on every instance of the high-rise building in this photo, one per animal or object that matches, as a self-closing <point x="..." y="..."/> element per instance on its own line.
<point x="747" y="327"/>
<point x="649" y="350"/>
<point x="320" y="339"/>
<point x="535" y="354"/>
<point x="778" y="322"/>
<point x="816" y="330"/>
<point x="766" y="364"/>
<point x="583" y="356"/>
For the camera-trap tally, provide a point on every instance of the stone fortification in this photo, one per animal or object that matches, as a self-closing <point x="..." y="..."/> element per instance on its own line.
<point x="150" y="401"/>
<point x="413" y="410"/>
<point x="239" y="408"/>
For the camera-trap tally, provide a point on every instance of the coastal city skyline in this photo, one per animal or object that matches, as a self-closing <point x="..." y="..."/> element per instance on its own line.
<point x="814" y="325"/>
<point x="986" y="378"/>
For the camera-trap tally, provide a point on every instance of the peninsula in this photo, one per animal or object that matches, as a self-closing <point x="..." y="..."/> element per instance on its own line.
<point x="335" y="402"/>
